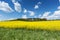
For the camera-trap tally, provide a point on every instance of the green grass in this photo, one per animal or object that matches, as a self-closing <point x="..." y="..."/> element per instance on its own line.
<point x="26" y="34"/>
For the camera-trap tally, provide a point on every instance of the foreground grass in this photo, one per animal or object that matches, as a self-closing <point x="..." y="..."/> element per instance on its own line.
<point x="48" y="25"/>
<point x="26" y="34"/>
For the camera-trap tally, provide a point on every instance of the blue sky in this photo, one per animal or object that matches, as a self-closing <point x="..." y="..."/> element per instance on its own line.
<point x="12" y="9"/>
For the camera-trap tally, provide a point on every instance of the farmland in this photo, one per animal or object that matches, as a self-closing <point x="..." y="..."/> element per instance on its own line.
<point x="25" y="34"/>
<point x="48" y="25"/>
<point x="26" y="30"/>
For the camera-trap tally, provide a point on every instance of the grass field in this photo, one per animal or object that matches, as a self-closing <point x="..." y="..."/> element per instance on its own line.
<point x="23" y="30"/>
<point x="25" y="34"/>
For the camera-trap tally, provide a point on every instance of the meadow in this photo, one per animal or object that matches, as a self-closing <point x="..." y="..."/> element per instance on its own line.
<point x="25" y="30"/>
<point x="27" y="34"/>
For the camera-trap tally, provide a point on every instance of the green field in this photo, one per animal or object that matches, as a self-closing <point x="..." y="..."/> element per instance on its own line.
<point x="27" y="34"/>
<point x="24" y="33"/>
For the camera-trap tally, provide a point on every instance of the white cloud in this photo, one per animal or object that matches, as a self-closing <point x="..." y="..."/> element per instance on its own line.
<point x="13" y="1"/>
<point x="52" y="17"/>
<point x="55" y="15"/>
<point x="59" y="0"/>
<point x="17" y="7"/>
<point x="25" y="11"/>
<point x="16" y="1"/>
<point x="57" y="12"/>
<point x="31" y="13"/>
<point x="36" y="7"/>
<point x="39" y="3"/>
<point x="5" y="7"/>
<point x="59" y="7"/>
<point x="28" y="11"/>
<point x="24" y="16"/>
<point x="45" y="14"/>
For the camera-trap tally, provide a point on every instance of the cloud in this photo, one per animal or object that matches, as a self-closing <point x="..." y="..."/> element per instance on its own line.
<point x="51" y="17"/>
<point x="55" y="15"/>
<point x="17" y="6"/>
<point x="5" y="7"/>
<point x="37" y="5"/>
<point x="58" y="7"/>
<point x="45" y="14"/>
<point x="59" y="0"/>
<point x="19" y="9"/>
<point x="25" y="11"/>
<point x="24" y="16"/>
<point x="57" y="12"/>
<point x="16" y="1"/>
<point x="13" y="1"/>
<point x="31" y="13"/>
<point x="28" y="11"/>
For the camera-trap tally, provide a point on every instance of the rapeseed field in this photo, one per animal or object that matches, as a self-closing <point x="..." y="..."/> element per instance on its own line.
<point x="48" y="25"/>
